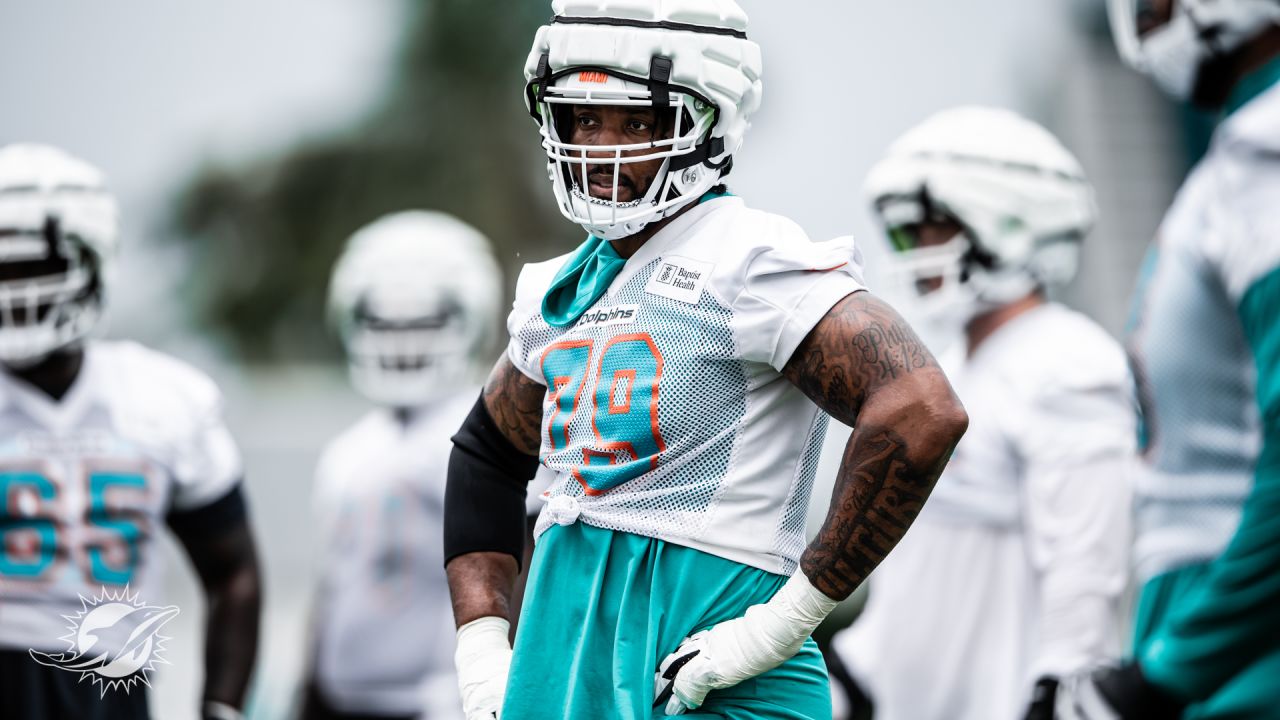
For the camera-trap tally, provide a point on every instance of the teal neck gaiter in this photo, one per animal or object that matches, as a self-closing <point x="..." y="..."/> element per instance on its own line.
<point x="580" y="283"/>
<point x="586" y="276"/>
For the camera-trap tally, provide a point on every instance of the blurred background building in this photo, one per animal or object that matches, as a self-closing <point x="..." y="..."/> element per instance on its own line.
<point x="248" y="138"/>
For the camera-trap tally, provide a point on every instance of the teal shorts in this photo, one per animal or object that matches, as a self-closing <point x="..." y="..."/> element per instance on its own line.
<point x="603" y="608"/>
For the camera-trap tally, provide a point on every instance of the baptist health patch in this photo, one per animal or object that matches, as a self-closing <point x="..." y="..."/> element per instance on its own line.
<point x="679" y="278"/>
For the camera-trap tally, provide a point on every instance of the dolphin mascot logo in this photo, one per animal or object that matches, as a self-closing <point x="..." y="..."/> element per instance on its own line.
<point x="117" y="641"/>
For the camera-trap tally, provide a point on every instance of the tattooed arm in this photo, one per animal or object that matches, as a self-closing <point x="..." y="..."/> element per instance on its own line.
<point x="864" y="366"/>
<point x="515" y="404"/>
<point x="481" y="583"/>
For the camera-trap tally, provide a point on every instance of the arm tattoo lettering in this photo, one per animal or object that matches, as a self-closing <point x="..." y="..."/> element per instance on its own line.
<point x="878" y="494"/>
<point x="515" y="403"/>
<point x="860" y="346"/>
<point x="867" y="368"/>
<point x="891" y="350"/>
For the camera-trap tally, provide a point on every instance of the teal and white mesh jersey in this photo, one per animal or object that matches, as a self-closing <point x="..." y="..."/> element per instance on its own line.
<point x="86" y="483"/>
<point x="1201" y="430"/>
<point x="666" y="414"/>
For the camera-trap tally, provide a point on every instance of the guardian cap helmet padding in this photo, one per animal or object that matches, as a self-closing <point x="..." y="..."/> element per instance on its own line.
<point x="414" y="296"/>
<point x="1200" y="30"/>
<point x="58" y="227"/>
<point x="1019" y="196"/>
<point x="688" y="59"/>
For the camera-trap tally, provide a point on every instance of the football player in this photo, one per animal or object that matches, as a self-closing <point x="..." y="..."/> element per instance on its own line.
<point x="672" y="373"/>
<point x="1011" y="577"/>
<point x="414" y="297"/>
<point x="101" y="444"/>
<point x="1205" y="346"/>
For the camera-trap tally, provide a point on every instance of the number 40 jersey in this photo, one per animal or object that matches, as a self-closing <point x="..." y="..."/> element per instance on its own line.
<point x="666" y="414"/>
<point x="87" y="482"/>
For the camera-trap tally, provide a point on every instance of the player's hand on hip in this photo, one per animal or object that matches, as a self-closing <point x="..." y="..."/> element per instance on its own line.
<point x="1114" y="693"/>
<point x="768" y="635"/>
<point x="483" y="659"/>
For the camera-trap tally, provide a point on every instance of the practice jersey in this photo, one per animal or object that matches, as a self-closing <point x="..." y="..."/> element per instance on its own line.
<point x="1197" y="381"/>
<point x="86" y="484"/>
<point x="1014" y="568"/>
<point x="383" y="624"/>
<point x="666" y="414"/>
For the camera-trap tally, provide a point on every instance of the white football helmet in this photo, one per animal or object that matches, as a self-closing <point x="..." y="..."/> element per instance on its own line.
<point x="57" y="238"/>
<point x="1199" y="30"/>
<point x="414" y="296"/>
<point x="1020" y="198"/>
<point x="691" y="57"/>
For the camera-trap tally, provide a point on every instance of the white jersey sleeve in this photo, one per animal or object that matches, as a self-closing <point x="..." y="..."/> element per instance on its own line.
<point x="207" y="463"/>
<point x="178" y="410"/>
<point x="532" y="284"/>
<point x="1076" y="444"/>
<point x="788" y="288"/>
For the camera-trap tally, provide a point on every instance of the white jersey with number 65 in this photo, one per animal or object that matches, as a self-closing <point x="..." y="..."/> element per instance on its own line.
<point x="86" y="483"/>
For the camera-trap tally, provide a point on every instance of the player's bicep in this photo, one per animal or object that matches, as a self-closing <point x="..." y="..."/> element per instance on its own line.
<point x="860" y="348"/>
<point x="514" y="401"/>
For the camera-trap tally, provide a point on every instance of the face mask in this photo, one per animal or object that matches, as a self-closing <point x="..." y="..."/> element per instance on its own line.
<point x="1173" y="55"/>
<point x="939" y="315"/>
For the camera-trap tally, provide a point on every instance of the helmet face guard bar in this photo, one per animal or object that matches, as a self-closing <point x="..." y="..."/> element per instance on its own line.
<point x="41" y="313"/>
<point x="688" y="146"/>
<point x="407" y="363"/>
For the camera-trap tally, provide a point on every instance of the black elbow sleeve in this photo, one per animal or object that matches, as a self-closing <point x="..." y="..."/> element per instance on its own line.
<point x="484" y="503"/>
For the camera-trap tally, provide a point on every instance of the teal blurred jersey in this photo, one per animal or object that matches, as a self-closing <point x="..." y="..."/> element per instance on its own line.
<point x="1205" y="345"/>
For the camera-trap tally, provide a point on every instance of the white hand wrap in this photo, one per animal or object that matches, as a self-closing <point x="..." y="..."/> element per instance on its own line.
<point x="762" y="639"/>
<point x="483" y="659"/>
<point x="214" y="710"/>
<point x="1078" y="698"/>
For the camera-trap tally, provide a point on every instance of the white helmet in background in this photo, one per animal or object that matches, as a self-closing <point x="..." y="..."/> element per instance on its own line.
<point x="1020" y="198"/>
<point x="1200" y="30"/>
<point x="691" y="58"/>
<point x="57" y="237"/>
<point x="414" y="296"/>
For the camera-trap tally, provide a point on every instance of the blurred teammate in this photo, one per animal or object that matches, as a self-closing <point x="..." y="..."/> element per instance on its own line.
<point x="102" y="443"/>
<point x="1010" y="577"/>
<point x="1205" y="346"/>
<point x="414" y="297"/>
<point x="671" y="373"/>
